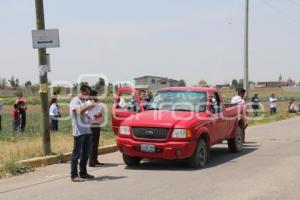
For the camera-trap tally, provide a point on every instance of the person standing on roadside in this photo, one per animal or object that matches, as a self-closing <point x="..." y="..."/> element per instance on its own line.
<point x="239" y="97"/>
<point x="81" y="134"/>
<point x="15" y="114"/>
<point x="255" y="104"/>
<point x="273" y="104"/>
<point x="96" y="116"/>
<point x="22" y="110"/>
<point x="54" y="114"/>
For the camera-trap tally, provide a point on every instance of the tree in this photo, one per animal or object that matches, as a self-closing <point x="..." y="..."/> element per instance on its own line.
<point x="28" y="84"/>
<point x="3" y="83"/>
<point x="241" y="83"/>
<point x="110" y="88"/>
<point x="203" y="83"/>
<point x="57" y="90"/>
<point x="181" y="83"/>
<point x="17" y="83"/>
<point x="100" y="85"/>
<point x="12" y="82"/>
<point x="34" y="89"/>
<point x="234" y="84"/>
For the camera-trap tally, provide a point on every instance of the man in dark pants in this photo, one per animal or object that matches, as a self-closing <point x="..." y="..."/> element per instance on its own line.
<point x="81" y="134"/>
<point x="96" y="116"/>
<point x="255" y="104"/>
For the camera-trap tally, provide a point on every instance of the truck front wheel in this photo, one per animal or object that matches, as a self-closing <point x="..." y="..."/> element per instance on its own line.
<point x="131" y="161"/>
<point x="235" y="144"/>
<point x="199" y="157"/>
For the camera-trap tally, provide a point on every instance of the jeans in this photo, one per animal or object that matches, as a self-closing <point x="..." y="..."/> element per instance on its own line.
<point x="273" y="111"/>
<point x="81" y="150"/>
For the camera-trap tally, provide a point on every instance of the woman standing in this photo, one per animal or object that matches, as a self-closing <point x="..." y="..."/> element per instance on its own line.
<point x="96" y="117"/>
<point x="54" y="114"/>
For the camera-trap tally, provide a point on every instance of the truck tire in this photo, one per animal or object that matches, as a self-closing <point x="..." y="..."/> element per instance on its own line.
<point x="131" y="161"/>
<point x="235" y="144"/>
<point x="199" y="158"/>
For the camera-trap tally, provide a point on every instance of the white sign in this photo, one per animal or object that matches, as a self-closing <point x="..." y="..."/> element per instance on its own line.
<point x="44" y="69"/>
<point x="45" y="38"/>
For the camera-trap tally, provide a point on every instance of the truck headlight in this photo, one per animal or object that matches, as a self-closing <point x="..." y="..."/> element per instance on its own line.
<point x="181" y="133"/>
<point x="124" y="130"/>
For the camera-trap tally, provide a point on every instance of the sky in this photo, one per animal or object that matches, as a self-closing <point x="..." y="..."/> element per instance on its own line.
<point x="190" y="40"/>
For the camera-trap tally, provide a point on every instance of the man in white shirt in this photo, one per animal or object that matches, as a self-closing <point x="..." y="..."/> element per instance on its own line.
<point x="238" y="99"/>
<point x="54" y="114"/>
<point x="81" y="134"/>
<point x="273" y="104"/>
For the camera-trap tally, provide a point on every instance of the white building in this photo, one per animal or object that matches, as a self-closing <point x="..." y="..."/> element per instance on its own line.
<point x="154" y="83"/>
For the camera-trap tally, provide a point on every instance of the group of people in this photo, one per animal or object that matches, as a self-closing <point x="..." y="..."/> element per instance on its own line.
<point x="255" y="103"/>
<point x="133" y="105"/>
<point x="18" y="114"/>
<point x="87" y="115"/>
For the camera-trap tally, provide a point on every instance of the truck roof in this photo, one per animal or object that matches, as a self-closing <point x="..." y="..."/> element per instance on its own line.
<point x="198" y="89"/>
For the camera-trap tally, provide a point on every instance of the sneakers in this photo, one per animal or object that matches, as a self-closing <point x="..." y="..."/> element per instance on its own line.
<point x="77" y="179"/>
<point x="82" y="178"/>
<point x="87" y="176"/>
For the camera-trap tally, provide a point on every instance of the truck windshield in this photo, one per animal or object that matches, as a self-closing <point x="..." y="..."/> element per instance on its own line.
<point x="190" y="101"/>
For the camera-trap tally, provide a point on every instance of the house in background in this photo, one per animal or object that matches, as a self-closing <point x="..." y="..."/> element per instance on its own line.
<point x="154" y="83"/>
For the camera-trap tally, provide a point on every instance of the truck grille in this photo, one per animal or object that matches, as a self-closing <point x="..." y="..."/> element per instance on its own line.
<point x="150" y="133"/>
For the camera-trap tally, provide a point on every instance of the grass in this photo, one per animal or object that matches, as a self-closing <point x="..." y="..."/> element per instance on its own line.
<point x="17" y="146"/>
<point x="16" y="168"/>
<point x="271" y="118"/>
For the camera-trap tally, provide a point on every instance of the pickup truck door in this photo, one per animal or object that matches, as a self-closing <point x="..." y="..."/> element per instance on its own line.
<point x="126" y="103"/>
<point x="220" y="124"/>
<point x="232" y="114"/>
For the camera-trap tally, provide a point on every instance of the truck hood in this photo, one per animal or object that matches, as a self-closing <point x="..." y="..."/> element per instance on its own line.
<point x="165" y="119"/>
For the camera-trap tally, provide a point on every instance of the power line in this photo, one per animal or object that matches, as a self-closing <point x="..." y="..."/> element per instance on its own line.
<point x="292" y="19"/>
<point x="294" y="2"/>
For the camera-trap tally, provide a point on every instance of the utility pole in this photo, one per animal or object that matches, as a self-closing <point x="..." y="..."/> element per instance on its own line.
<point x="246" y="50"/>
<point x="40" y="23"/>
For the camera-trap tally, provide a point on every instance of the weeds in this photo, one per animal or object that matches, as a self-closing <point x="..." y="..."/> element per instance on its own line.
<point x="14" y="167"/>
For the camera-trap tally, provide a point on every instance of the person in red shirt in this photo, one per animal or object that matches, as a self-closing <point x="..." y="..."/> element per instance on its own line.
<point x="15" y="113"/>
<point x="22" y="109"/>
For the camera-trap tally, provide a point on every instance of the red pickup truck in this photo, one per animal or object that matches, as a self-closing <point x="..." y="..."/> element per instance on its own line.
<point x="179" y="123"/>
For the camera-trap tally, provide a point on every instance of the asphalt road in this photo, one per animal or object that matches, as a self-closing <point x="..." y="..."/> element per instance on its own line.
<point x="268" y="168"/>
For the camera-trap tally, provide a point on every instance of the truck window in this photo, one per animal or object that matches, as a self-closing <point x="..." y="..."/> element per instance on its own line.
<point x="190" y="101"/>
<point x="127" y="102"/>
<point x="215" y="103"/>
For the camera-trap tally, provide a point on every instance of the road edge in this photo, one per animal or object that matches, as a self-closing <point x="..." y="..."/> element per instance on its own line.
<point x="62" y="158"/>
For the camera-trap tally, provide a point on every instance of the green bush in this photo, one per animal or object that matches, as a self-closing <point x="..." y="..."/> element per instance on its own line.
<point x="16" y="168"/>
